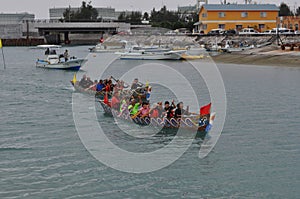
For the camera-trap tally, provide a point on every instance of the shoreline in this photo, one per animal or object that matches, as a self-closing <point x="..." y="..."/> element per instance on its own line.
<point x="266" y="57"/>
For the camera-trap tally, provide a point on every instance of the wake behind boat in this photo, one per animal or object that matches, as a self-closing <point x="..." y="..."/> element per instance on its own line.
<point x="61" y="62"/>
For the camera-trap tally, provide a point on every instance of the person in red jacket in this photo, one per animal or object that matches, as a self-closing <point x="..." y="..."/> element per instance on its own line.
<point x="115" y="101"/>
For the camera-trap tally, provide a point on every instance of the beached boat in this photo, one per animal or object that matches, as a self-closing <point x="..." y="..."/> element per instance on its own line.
<point x="236" y="49"/>
<point x="192" y="57"/>
<point x="144" y="55"/>
<point x="102" y="48"/>
<point x="45" y="46"/>
<point x="195" y="123"/>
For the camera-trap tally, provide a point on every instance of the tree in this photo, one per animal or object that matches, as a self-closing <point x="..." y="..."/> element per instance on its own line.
<point x="297" y="11"/>
<point x="172" y="19"/>
<point x="134" y="17"/>
<point x="122" y="17"/>
<point x="86" y="13"/>
<point x="146" y="16"/>
<point x="284" y="10"/>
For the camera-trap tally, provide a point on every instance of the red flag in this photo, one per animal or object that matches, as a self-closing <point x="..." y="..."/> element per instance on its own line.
<point x="205" y="110"/>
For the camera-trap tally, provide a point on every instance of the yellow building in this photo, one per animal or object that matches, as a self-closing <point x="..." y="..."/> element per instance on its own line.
<point x="237" y="16"/>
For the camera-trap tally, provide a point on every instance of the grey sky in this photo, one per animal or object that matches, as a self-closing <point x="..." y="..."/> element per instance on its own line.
<point x="40" y="7"/>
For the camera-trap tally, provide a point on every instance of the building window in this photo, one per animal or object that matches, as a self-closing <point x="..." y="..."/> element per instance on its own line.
<point x="221" y="26"/>
<point x="239" y="27"/>
<point x="296" y="26"/>
<point x="263" y="14"/>
<point x="244" y="14"/>
<point x="291" y="26"/>
<point x="204" y="26"/>
<point x="204" y="15"/>
<point x="221" y="14"/>
<point x="261" y="26"/>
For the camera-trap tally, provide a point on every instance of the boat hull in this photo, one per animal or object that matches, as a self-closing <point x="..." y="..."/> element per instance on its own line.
<point x="74" y="64"/>
<point x="171" y="55"/>
<point x="163" y="123"/>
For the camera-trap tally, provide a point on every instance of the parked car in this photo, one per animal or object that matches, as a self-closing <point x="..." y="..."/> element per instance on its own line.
<point x="214" y="32"/>
<point x="283" y="31"/>
<point x="287" y="32"/>
<point x="267" y="32"/>
<point x="170" y="32"/>
<point x="248" y="31"/>
<point x="297" y="32"/>
<point x="229" y="32"/>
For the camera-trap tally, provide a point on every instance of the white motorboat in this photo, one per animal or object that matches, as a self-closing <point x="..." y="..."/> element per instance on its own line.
<point x="54" y="61"/>
<point x="144" y="55"/>
<point x="102" y="48"/>
<point x="45" y="46"/>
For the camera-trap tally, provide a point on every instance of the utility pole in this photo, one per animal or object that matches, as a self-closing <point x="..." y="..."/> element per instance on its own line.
<point x="27" y="32"/>
<point x="69" y="13"/>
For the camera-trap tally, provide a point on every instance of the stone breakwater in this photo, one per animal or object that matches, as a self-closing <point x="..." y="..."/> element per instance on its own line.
<point x="175" y="41"/>
<point x="183" y="41"/>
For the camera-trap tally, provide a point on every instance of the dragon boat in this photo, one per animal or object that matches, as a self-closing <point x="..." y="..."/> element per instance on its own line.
<point x="202" y="123"/>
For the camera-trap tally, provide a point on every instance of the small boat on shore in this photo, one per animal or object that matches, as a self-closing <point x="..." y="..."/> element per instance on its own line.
<point x="144" y="55"/>
<point x="45" y="46"/>
<point x="192" y="57"/>
<point x="102" y="48"/>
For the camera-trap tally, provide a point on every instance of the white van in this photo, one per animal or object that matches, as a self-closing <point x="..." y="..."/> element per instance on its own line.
<point x="248" y="31"/>
<point x="217" y="31"/>
<point x="283" y="31"/>
<point x="267" y="32"/>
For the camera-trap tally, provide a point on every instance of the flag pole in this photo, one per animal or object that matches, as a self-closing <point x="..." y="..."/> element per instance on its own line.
<point x="2" y="53"/>
<point x="3" y="59"/>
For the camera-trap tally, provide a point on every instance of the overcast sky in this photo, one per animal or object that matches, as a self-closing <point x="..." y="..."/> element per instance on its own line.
<point x="40" y="7"/>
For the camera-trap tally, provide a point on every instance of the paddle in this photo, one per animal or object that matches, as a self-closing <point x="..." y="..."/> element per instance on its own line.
<point x="135" y="115"/>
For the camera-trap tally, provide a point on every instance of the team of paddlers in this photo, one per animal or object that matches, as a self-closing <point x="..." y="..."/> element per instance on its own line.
<point x="133" y="101"/>
<point x="136" y="101"/>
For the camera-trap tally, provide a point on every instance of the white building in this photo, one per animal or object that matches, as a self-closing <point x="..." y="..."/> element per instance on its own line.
<point x="106" y="14"/>
<point x="11" y="25"/>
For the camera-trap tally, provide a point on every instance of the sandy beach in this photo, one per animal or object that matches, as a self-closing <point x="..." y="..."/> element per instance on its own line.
<point x="271" y="56"/>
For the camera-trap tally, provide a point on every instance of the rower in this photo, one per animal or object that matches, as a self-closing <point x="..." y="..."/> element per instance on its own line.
<point x="169" y="109"/>
<point x="134" y="106"/>
<point x="144" y="110"/>
<point x="136" y="84"/>
<point x="100" y="86"/>
<point x="179" y="112"/>
<point x="115" y="101"/>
